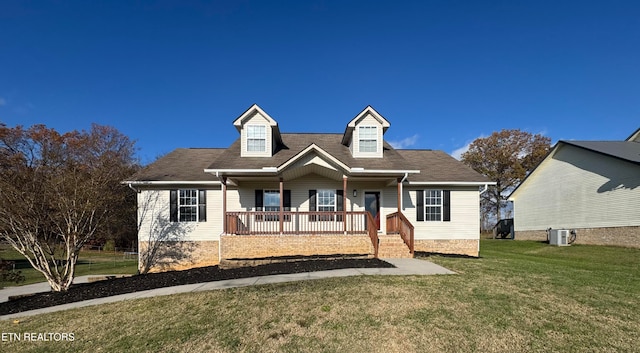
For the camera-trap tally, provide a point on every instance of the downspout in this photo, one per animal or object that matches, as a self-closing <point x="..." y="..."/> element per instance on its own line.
<point x="132" y="188"/>
<point x="404" y="178"/>
<point x="486" y="186"/>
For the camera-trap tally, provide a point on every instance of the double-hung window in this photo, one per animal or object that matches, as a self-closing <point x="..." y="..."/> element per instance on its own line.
<point x="269" y="201"/>
<point x="188" y="205"/>
<point x="368" y="138"/>
<point x="433" y="205"/>
<point x="256" y="138"/>
<point x="326" y="200"/>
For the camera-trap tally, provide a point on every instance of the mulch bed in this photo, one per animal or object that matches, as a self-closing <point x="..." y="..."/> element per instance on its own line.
<point x="116" y="286"/>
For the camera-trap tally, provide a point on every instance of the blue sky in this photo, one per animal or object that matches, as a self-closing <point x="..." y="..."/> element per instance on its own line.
<point x="175" y="74"/>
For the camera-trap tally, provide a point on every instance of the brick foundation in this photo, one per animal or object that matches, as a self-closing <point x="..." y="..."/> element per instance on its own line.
<point x="259" y="246"/>
<point x="467" y="247"/>
<point x="618" y="236"/>
<point x="181" y="255"/>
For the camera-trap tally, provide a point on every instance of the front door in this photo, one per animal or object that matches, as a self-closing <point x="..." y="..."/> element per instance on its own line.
<point x="372" y="205"/>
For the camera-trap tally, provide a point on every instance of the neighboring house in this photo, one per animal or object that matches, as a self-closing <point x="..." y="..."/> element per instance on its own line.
<point x="280" y="194"/>
<point x="590" y="186"/>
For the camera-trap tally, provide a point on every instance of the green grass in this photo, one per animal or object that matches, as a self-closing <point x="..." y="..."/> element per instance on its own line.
<point x="90" y="262"/>
<point x="518" y="297"/>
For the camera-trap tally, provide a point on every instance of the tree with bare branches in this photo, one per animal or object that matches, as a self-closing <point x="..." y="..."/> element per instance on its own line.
<point x="57" y="191"/>
<point x="505" y="157"/>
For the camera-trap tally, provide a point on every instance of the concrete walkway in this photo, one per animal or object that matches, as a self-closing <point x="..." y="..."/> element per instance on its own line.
<point x="402" y="267"/>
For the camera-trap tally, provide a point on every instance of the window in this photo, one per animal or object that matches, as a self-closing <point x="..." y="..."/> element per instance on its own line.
<point x="433" y="205"/>
<point x="269" y="200"/>
<point x="256" y="138"/>
<point x="326" y="200"/>
<point x="188" y="205"/>
<point x="368" y="138"/>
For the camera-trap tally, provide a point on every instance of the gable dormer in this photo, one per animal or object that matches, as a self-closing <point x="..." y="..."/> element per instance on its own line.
<point x="259" y="133"/>
<point x="635" y="137"/>
<point x="364" y="134"/>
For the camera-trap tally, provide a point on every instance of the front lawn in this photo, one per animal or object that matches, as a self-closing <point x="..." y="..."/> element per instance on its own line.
<point x="518" y="297"/>
<point x="90" y="262"/>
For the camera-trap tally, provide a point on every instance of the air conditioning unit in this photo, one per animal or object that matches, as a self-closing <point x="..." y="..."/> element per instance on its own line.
<point x="559" y="237"/>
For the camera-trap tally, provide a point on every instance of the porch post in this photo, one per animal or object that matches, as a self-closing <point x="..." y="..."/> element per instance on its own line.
<point x="224" y="204"/>
<point x="345" y="196"/>
<point x="281" y="206"/>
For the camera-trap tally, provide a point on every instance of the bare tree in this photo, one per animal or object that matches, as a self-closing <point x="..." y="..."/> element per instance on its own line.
<point x="161" y="241"/>
<point x="57" y="191"/>
<point x="505" y="157"/>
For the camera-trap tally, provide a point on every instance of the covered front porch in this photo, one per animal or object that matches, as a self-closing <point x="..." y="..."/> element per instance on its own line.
<point x="311" y="205"/>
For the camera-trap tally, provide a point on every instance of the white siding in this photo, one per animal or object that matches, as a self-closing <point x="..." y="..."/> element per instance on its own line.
<point x="154" y="224"/>
<point x="368" y="120"/>
<point x="465" y="209"/>
<point x="576" y="188"/>
<point x="257" y="119"/>
<point x="465" y="215"/>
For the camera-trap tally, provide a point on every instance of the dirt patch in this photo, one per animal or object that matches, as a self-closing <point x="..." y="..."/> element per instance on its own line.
<point x="116" y="286"/>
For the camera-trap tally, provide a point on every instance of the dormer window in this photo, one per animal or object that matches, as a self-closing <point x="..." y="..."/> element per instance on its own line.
<point x="256" y="138"/>
<point x="368" y="138"/>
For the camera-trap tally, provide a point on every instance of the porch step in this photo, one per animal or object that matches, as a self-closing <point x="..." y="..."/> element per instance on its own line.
<point x="393" y="247"/>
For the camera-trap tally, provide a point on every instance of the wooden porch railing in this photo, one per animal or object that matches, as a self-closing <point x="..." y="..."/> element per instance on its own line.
<point x="265" y="222"/>
<point x="268" y="223"/>
<point x="397" y="223"/>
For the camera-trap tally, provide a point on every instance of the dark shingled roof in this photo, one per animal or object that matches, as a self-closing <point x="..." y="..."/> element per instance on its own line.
<point x="183" y="164"/>
<point x="438" y="166"/>
<point x="295" y="143"/>
<point x="188" y="164"/>
<point x="625" y="150"/>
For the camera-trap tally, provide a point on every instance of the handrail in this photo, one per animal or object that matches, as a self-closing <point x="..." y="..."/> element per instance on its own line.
<point x="372" y="228"/>
<point x="398" y="223"/>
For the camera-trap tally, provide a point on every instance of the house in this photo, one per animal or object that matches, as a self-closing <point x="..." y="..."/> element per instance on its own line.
<point x="589" y="186"/>
<point x="284" y="194"/>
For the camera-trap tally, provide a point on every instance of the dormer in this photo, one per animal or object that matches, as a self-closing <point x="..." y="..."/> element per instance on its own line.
<point x="364" y="134"/>
<point x="635" y="137"/>
<point x="259" y="133"/>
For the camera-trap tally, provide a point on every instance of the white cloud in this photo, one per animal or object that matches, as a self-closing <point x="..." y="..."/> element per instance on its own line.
<point x="457" y="153"/>
<point x="404" y="143"/>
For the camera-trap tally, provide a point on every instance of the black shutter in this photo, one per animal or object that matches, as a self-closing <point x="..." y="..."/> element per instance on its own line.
<point x="173" y="205"/>
<point x="259" y="200"/>
<point x="446" y="205"/>
<point x="286" y="202"/>
<point x="312" y="204"/>
<point x="202" y="205"/>
<point x="420" y="205"/>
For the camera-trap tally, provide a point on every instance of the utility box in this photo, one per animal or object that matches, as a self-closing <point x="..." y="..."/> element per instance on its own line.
<point x="559" y="237"/>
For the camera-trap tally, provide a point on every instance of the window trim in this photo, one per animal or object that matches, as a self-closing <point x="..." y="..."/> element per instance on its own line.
<point x="421" y="205"/>
<point x="440" y="205"/>
<point x="199" y="203"/>
<point x="368" y="138"/>
<point x="261" y="136"/>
